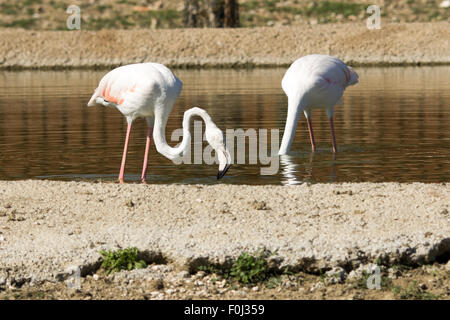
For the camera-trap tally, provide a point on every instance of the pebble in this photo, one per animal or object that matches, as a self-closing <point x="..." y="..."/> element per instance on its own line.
<point x="317" y="286"/>
<point x="156" y="268"/>
<point x="199" y="283"/>
<point x="183" y="274"/>
<point x="394" y="273"/>
<point x="221" y="284"/>
<point x="201" y="274"/>
<point x="447" y="266"/>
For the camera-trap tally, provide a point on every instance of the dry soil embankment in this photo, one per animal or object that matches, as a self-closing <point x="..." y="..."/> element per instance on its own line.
<point x="394" y="44"/>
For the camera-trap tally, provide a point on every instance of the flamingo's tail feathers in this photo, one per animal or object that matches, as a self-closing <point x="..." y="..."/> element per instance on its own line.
<point x="354" y="78"/>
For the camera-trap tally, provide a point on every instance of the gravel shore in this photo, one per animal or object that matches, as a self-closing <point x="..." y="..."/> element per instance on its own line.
<point x="48" y="226"/>
<point x="394" y="44"/>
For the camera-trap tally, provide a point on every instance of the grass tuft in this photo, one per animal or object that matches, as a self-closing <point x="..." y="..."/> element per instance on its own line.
<point x="325" y="8"/>
<point x="123" y="259"/>
<point x="413" y="291"/>
<point x="250" y="269"/>
<point x="246" y="269"/>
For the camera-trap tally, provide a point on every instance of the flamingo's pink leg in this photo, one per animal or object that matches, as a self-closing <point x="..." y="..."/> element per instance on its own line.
<point x="311" y="134"/>
<point x="124" y="156"/>
<point x="147" y="148"/>
<point x="332" y="135"/>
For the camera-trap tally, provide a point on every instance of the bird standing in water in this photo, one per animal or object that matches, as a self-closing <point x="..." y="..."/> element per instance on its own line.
<point x="314" y="82"/>
<point x="149" y="90"/>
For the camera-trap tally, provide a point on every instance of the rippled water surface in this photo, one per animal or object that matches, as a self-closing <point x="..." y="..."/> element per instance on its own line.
<point x="394" y="126"/>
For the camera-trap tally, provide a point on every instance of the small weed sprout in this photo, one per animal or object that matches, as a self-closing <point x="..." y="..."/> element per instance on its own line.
<point x="123" y="259"/>
<point x="250" y="269"/>
<point x="209" y="269"/>
<point x="412" y="291"/>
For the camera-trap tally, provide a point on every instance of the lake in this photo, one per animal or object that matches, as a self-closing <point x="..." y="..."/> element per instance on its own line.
<point x="393" y="126"/>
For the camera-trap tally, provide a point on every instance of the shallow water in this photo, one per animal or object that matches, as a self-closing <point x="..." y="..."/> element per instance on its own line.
<point x="393" y="126"/>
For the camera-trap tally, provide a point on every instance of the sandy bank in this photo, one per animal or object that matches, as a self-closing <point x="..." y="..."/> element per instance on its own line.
<point x="394" y="44"/>
<point x="47" y="226"/>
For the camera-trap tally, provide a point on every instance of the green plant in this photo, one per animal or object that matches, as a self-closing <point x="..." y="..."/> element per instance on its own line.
<point x="126" y="2"/>
<point x="166" y="17"/>
<point x="361" y="283"/>
<point x="8" y="8"/>
<point x="413" y="291"/>
<point x="209" y="269"/>
<point x="322" y="276"/>
<point x="123" y="259"/>
<point x="57" y="4"/>
<point x="250" y="269"/>
<point x="20" y="23"/>
<point x="27" y="3"/>
<point x="273" y="282"/>
<point x="102" y="8"/>
<point x="327" y="7"/>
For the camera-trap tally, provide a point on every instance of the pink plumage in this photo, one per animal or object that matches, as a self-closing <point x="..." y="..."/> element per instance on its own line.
<point x="150" y="90"/>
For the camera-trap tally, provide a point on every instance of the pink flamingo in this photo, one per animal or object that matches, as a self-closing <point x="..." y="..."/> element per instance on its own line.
<point x="150" y="90"/>
<point x="314" y="82"/>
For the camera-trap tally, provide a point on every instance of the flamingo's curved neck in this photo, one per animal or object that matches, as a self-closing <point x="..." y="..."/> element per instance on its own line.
<point x="159" y="133"/>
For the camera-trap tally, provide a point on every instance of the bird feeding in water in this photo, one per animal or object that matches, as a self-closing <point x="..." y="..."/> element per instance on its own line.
<point x="314" y="82"/>
<point x="149" y="90"/>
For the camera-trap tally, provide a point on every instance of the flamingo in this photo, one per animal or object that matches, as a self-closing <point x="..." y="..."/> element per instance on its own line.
<point x="314" y="82"/>
<point x="149" y="90"/>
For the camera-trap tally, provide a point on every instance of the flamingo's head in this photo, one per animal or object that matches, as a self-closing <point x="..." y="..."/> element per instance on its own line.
<point x="215" y="138"/>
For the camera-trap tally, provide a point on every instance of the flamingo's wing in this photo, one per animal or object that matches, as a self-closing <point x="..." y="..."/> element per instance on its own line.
<point x="330" y="71"/>
<point x="114" y="88"/>
<point x="334" y="76"/>
<point x="339" y="72"/>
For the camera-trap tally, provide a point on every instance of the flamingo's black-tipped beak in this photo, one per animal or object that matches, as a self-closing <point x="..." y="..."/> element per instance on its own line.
<point x="220" y="174"/>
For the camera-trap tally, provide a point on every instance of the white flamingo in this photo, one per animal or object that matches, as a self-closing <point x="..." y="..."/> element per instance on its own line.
<point x="314" y="82"/>
<point x="150" y="90"/>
